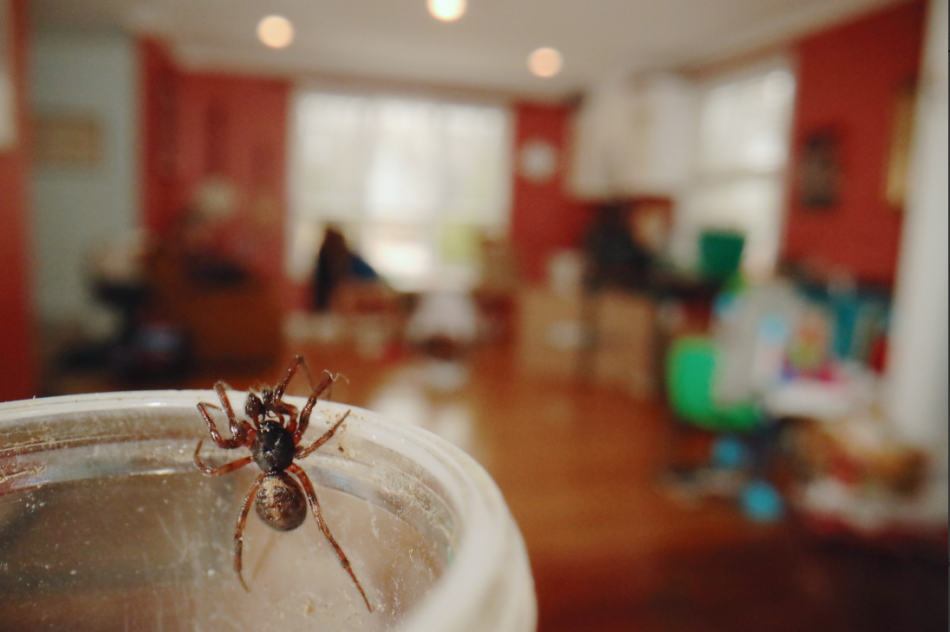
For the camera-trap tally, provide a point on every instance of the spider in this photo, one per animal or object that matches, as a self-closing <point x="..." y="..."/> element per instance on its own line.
<point x="273" y="436"/>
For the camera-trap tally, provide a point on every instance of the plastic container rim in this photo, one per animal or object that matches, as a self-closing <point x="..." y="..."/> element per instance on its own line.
<point x="479" y="554"/>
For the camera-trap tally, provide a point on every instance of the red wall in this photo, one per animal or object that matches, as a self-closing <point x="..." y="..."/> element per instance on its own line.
<point x="199" y="125"/>
<point x="237" y="127"/>
<point x="848" y="78"/>
<point x="544" y="217"/>
<point x="158" y="102"/>
<point x="17" y="363"/>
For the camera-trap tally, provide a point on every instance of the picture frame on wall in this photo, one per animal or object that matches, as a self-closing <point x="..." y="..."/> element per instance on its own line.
<point x="819" y="171"/>
<point x="8" y="133"/>
<point x="902" y="129"/>
<point x="67" y="140"/>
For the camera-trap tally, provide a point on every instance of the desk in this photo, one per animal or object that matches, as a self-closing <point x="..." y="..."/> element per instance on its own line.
<point x="851" y="392"/>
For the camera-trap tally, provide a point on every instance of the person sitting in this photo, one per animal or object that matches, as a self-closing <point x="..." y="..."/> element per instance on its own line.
<point x="335" y="265"/>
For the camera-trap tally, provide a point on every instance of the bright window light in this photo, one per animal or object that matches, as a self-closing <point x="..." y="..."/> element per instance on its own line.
<point x="414" y="184"/>
<point x="745" y="121"/>
<point x="275" y="31"/>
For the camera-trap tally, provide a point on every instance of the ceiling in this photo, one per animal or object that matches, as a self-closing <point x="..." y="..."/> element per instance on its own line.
<point x="486" y="50"/>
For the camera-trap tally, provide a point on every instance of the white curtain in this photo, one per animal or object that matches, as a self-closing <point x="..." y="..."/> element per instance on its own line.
<point x="411" y="183"/>
<point x="634" y="136"/>
<point x="745" y="123"/>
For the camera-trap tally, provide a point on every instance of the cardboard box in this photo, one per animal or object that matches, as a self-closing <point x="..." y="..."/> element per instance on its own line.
<point x="609" y="340"/>
<point x="625" y="349"/>
<point x="551" y="333"/>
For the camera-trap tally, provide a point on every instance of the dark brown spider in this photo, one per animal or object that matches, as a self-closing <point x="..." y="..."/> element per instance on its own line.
<point x="273" y="435"/>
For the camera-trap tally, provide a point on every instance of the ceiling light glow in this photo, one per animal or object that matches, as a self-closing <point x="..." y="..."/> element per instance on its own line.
<point x="447" y="10"/>
<point x="275" y="31"/>
<point x="545" y="62"/>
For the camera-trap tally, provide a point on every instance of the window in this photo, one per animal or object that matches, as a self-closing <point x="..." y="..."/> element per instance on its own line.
<point x="413" y="184"/>
<point x="745" y="122"/>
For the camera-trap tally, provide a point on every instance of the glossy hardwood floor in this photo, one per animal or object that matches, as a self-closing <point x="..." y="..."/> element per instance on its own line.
<point x="611" y="548"/>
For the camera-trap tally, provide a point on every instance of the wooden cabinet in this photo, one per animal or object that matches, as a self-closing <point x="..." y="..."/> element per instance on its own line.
<point x="237" y="322"/>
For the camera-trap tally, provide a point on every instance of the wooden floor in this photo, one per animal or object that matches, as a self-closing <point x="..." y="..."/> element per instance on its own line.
<point x="612" y="549"/>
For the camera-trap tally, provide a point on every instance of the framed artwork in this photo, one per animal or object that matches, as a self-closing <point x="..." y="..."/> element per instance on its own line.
<point x="902" y="131"/>
<point x="8" y="135"/>
<point x="67" y="140"/>
<point x="819" y="171"/>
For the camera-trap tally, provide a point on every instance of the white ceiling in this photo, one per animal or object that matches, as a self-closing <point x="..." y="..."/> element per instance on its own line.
<point x="397" y="40"/>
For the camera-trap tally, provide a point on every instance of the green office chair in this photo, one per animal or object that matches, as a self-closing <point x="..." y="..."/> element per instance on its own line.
<point x="690" y="370"/>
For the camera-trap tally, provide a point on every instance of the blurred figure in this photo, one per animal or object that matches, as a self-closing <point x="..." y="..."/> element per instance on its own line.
<point x="613" y="251"/>
<point x="335" y="264"/>
<point x="332" y="263"/>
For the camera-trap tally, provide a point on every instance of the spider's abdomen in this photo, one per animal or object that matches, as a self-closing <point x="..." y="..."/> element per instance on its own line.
<point x="280" y="502"/>
<point x="273" y="448"/>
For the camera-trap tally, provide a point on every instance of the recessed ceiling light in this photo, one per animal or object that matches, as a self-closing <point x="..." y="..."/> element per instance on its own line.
<point x="545" y="62"/>
<point x="447" y="10"/>
<point x="275" y="31"/>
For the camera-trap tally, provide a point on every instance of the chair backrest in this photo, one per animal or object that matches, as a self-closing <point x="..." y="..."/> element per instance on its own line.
<point x="720" y="253"/>
<point x="690" y="368"/>
<point x="690" y="371"/>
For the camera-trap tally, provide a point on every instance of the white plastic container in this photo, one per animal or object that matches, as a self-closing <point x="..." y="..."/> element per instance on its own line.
<point x="105" y="523"/>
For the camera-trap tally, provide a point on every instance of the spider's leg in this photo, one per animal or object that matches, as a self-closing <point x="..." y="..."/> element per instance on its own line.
<point x="283" y="408"/>
<point x="304" y="452"/>
<point x="333" y="379"/>
<point x="224" y="469"/>
<point x="239" y="531"/>
<point x="228" y="444"/>
<point x="238" y="427"/>
<point x="318" y="515"/>
<point x="306" y="369"/>
<point x="325" y="383"/>
<point x="291" y="370"/>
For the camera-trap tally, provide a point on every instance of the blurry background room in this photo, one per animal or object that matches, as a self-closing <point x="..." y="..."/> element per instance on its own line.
<point x="675" y="274"/>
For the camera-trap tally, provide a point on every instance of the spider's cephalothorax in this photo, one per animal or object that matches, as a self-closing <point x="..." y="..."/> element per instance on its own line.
<point x="269" y="404"/>
<point x="273" y="436"/>
<point x="273" y="447"/>
<point x="253" y="406"/>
